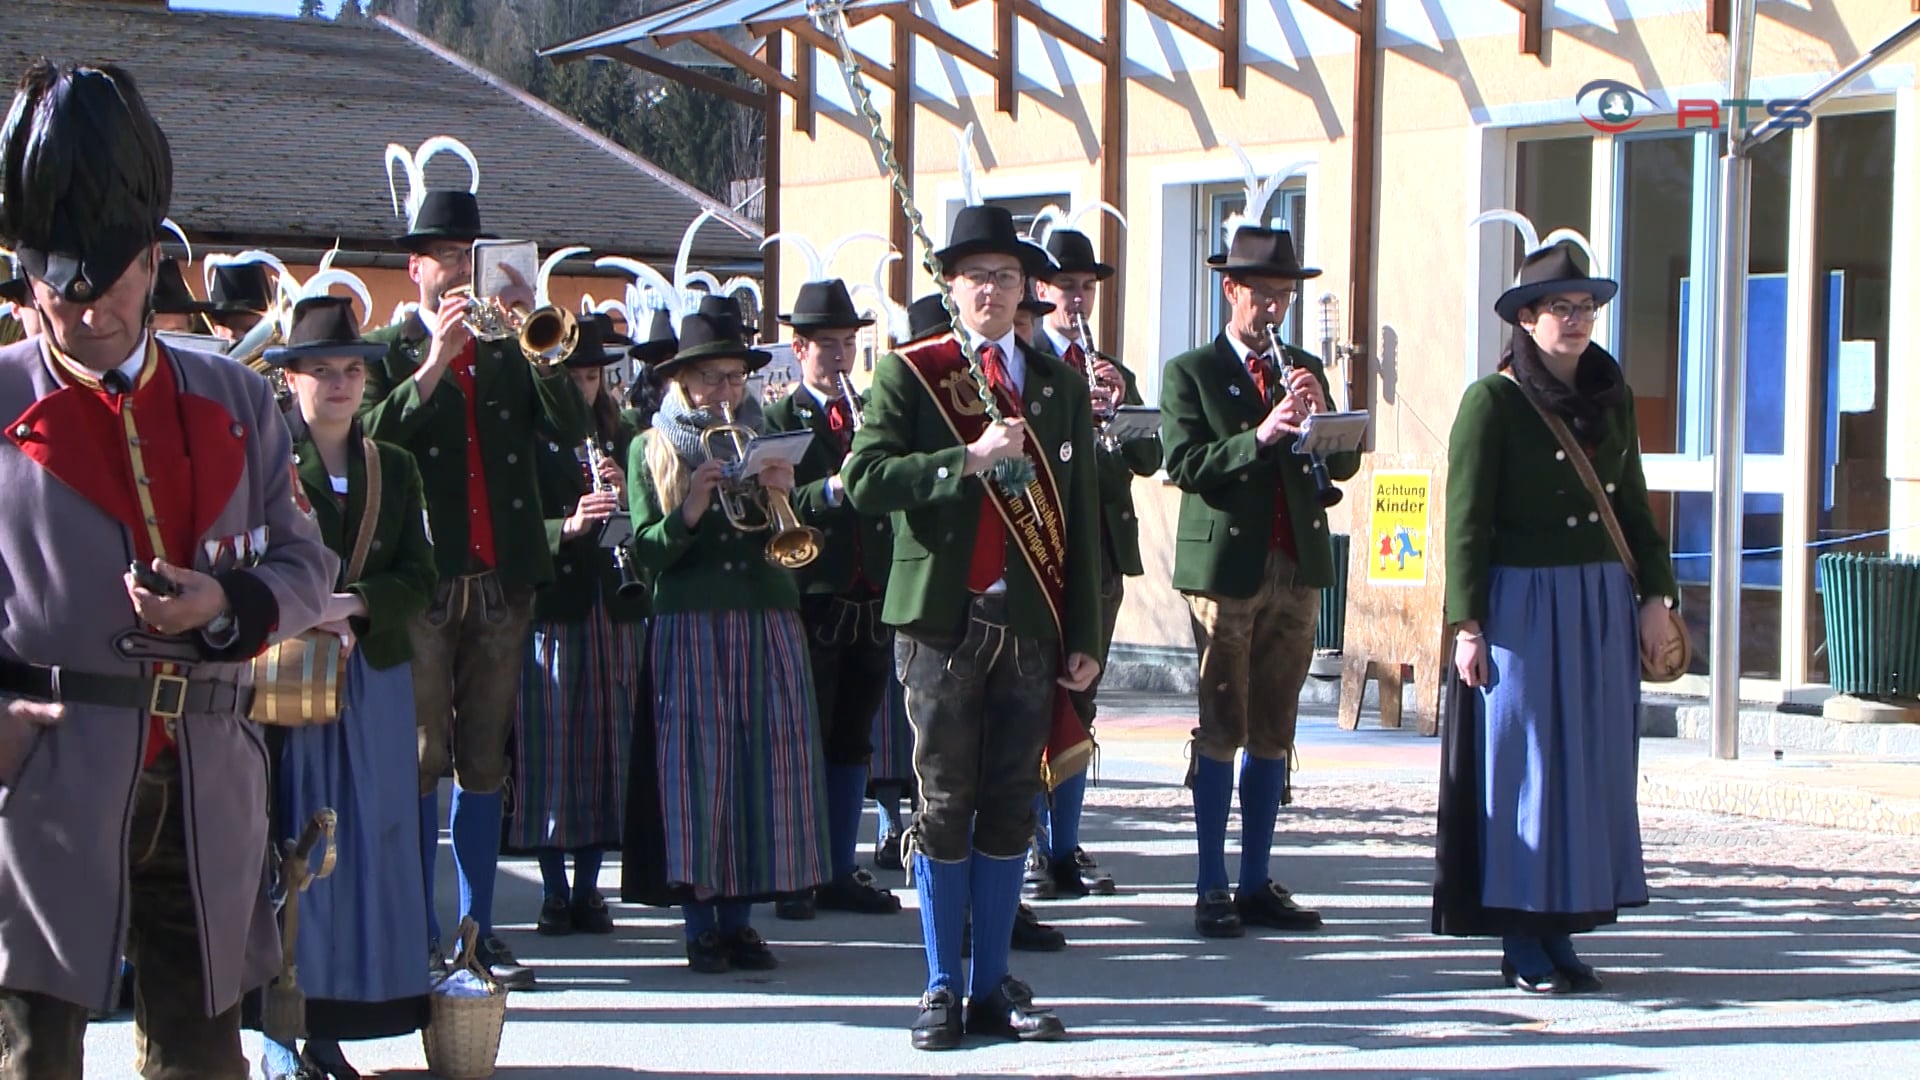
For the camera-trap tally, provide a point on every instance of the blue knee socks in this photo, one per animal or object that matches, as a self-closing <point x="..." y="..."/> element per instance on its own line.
<point x="279" y="1061"/>
<point x="430" y="857"/>
<point x="1212" y="800"/>
<point x="1526" y="955"/>
<point x="553" y="874"/>
<point x="476" y="853"/>
<point x="886" y="804"/>
<point x="735" y="916"/>
<point x="700" y="919"/>
<point x="586" y="871"/>
<point x="943" y="889"/>
<point x="846" y="797"/>
<point x="996" y="903"/>
<point x="1261" y="781"/>
<point x="1559" y="949"/>
<point x="1064" y="823"/>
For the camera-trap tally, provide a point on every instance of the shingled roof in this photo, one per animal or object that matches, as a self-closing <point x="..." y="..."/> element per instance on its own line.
<point x="279" y="128"/>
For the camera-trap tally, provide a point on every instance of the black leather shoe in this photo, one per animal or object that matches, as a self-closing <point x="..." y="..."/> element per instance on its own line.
<point x="494" y="955"/>
<point x="1038" y="883"/>
<point x="796" y="908"/>
<point x="556" y="917"/>
<point x="1009" y="1013"/>
<point x="1553" y="982"/>
<point x="706" y="954"/>
<point x="938" y="1027"/>
<point x="1216" y="916"/>
<point x="1099" y="882"/>
<point x="858" y="894"/>
<point x="1271" y="905"/>
<point x="887" y="852"/>
<point x="1032" y="935"/>
<point x="590" y="914"/>
<point x="748" y="951"/>
<point x="1582" y="980"/>
<point x="1067" y="883"/>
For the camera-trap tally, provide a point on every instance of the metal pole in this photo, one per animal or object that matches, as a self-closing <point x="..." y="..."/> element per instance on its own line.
<point x="1730" y="419"/>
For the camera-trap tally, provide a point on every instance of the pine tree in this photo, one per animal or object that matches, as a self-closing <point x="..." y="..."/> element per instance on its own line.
<point x="310" y="9"/>
<point x="350" y="12"/>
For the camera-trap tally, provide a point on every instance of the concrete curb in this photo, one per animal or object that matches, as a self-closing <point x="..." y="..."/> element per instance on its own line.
<point x="1765" y="729"/>
<point x="1706" y="786"/>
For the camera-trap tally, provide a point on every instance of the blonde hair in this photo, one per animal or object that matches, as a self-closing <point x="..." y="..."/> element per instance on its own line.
<point x="670" y="477"/>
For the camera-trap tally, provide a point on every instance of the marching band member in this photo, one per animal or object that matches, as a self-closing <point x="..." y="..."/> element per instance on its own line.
<point x="575" y="716"/>
<point x="848" y="646"/>
<point x="1251" y="554"/>
<point x="643" y="393"/>
<point x="740" y="799"/>
<point x="239" y="295"/>
<point x="1066" y="871"/>
<point x="361" y="929"/>
<point x="472" y="413"/>
<point x="994" y="597"/>
<point x="133" y="781"/>
<point x="174" y="307"/>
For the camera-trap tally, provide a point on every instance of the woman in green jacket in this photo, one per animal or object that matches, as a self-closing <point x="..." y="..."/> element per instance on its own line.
<point x="740" y="767"/>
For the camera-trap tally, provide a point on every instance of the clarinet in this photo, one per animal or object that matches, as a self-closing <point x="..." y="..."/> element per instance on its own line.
<point x="1278" y="368"/>
<point x="853" y="403"/>
<point x="631" y="584"/>
<point x="1102" y="418"/>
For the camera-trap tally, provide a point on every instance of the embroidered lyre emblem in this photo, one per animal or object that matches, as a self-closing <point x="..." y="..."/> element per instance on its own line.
<point x="963" y="393"/>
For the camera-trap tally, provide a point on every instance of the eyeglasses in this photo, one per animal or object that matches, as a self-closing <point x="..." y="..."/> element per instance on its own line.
<point x="999" y="279"/>
<point x="714" y="380"/>
<point x="1265" y="297"/>
<point x="449" y="256"/>
<point x="1567" y="311"/>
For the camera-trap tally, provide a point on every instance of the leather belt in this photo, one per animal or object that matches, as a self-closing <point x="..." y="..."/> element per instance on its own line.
<point x="169" y="696"/>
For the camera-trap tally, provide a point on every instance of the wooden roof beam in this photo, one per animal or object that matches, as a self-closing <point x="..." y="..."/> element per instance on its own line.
<point x="685" y="76"/>
<point x="1048" y="23"/>
<point x="1533" y="22"/>
<point x="809" y="34"/>
<point x="1224" y="36"/>
<point x="1349" y="17"/>
<point x="766" y="73"/>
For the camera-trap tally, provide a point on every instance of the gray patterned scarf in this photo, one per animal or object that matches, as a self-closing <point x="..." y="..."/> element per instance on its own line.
<point x="683" y="424"/>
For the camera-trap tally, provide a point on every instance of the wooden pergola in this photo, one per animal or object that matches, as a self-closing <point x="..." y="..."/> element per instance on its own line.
<point x="717" y="26"/>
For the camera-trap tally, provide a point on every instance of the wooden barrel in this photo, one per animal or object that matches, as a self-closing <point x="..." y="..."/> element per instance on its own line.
<point x="298" y="681"/>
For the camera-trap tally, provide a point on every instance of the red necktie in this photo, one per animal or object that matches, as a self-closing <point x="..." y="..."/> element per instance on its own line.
<point x="840" y="422"/>
<point x="1257" y="368"/>
<point x="1077" y="357"/>
<point x="998" y="377"/>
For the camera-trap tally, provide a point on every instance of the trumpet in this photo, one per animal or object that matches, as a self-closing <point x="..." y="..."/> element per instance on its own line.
<point x="630" y="581"/>
<point x="547" y="334"/>
<point x="853" y="403"/>
<point x="1279" y="367"/>
<point x="751" y="506"/>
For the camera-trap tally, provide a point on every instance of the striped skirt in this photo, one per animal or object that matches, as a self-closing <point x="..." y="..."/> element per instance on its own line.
<point x="737" y="742"/>
<point x="892" y="739"/>
<point x="573" y="724"/>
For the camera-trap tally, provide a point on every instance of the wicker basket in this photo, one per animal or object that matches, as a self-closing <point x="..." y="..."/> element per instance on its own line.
<point x="462" y="1036"/>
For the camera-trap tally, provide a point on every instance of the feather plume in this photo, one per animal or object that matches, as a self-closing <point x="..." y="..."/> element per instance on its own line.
<point x="649" y="289"/>
<point x="547" y="267"/>
<point x="1051" y="217"/>
<point x="326" y="260"/>
<point x="734" y="286"/>
<point x="1578" y="240"/>
<point x="1529" y="236"/>
<point x="402" y="311"/>
<point x="1259" y="191"/>
<point x="685" y="257"/>
<point x="414" y="165"/>
<point x="243" y="258"/>
<point x="173" y="227"/>
<point x="872" y="298"/>
<point x="969" y="168"/>
<point x="819" y="263"/>
<point x="399" y="155"/>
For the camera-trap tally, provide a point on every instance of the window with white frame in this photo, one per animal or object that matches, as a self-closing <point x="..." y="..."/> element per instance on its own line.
<point x="1213" y="204"/>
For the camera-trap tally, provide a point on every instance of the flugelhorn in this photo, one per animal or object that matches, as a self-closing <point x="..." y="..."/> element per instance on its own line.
<point x="751" y="506"/>
<point x="546" y="334"/>
<point x="1279" y="366"/>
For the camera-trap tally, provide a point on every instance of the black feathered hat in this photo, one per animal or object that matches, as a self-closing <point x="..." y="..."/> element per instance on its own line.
<point x="85" y="177"/>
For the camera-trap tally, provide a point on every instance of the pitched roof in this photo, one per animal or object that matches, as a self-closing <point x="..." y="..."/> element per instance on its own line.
<point x="279" y="128"/>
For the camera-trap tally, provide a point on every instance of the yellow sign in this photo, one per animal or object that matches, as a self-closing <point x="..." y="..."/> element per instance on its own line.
<point x="1399" y="527"/>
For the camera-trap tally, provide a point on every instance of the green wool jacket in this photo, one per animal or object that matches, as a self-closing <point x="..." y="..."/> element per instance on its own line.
<point x="1210" y="411"/>
<point x="520" y="409"/>
<point x="398" y="578"/>
<point x="710" y="567"/>
<point x="583" y="570"/>
<point x="1141" y="457"/>
<point x="907" y="462"/>
<point x="833" y="571"/>
<point x="1513" y="498"/>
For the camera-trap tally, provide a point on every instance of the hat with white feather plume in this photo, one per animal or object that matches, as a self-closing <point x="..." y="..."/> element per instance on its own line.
<point x="1548" y="268"/>
<point x="1071" y="248"/>
<point x="824" y="302"/>
<point x="435" y="214"/>
<point x="980" y="229"/>
<point x="315" y="323"/>
<point x="238" y="284"/>
<point x="1253" y="248"/>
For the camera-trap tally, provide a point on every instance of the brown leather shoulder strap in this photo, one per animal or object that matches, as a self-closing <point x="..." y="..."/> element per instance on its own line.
<point x="1584" y="466"/>
<point x="369" y="518"/>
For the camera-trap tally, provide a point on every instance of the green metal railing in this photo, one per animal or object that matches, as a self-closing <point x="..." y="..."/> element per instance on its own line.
<point x="1332" y="632"/>
<point x="1872" y="606"/>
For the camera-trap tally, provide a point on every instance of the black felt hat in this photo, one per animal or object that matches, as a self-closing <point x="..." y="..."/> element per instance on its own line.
<point x="444" y="215"/>
<point x="171" y="296"/>
<point x="85" y="177"/>
<point x="1037" y="307"/>
<point x="1072" y="252"/>
<point x="713" y="332"/>
<point x="1548" y="272"/>
<point x="323" y="326"/>
<point x="598" y="344"/>
<point x="13" y="285"/>
<point x="660" y="342"/>
<point x="825" y="305"/>
<point x="926" y="318"/>
<point x="989" y="230"/>
<point x="1261" y="252"/>
<point x="240" y="289"/>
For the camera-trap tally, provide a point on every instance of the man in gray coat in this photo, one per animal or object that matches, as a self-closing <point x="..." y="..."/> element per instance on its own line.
<point x="133" y="789"/>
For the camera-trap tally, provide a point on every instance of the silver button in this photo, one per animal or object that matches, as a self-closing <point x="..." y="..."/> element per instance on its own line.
<point x="1306" y="469"/>
<point x="1035" y="410"/>
<point x="1559" y="455"/>
<point x="375" y="546"/>
<point x="1572" y="522"/>
<point x="1595" y="516"/>
<point x="505" y="415"/>
<point x="433" y="451"/>
<point x="153" y="519"/>
<point x="238" y="431"/>
<point x="553" y="448"/>
<point x="516" y="504"/>
<point x="726" y="566"/>
<point x="566" y="568"/>
<point x="1609" y="489"/>
<point x="22" y="431"/>
<point x="1233" y="530"/>
<point x="1244" y="425"/>
<point x="940" y="472"/>
<point x="1244" y="478"/>
<point x="513" y="459"/>
<point x="296" y="459"/>
<point x="949" y="538"/>
<point x="826" y="532"/>
<point x="133" y="440"/>
<point x="880" y="526"/>
<point x="1126" y="515"/>
<point x="1316" y="523"/>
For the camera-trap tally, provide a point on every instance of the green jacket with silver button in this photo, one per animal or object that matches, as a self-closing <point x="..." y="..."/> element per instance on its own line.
<point x="1513" y="498"/>
<point x="520" y="408"/>
<point x="1210" y="414"/>
<point x="1118" y="467"/>
<point x="711" y="566"/>
<point x="583" y="570"/>
<point x="832" y="572"/>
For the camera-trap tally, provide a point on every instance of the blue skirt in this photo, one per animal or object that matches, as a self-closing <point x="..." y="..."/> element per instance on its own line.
<point x="363" y="929"/>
